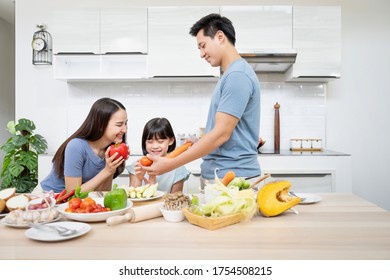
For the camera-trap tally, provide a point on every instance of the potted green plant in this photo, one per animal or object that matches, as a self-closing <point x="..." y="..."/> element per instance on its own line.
<point x="20" y="164"/>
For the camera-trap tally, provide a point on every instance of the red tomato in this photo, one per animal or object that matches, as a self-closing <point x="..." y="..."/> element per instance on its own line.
<point x="74" y="203"/>
<point x="145" y="161"/>
<point x="121" y="149"/>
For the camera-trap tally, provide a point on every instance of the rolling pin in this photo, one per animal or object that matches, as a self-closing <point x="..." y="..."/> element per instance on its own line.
<point x="137" y="214"/>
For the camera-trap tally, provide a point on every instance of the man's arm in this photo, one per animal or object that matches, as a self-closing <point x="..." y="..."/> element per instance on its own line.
<point x="223" y="129"/>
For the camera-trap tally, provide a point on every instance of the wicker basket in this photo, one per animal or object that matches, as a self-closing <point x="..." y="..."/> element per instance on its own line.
<point x="212" y="223"/>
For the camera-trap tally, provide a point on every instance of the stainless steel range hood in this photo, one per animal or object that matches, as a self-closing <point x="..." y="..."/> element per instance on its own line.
<point x="271" y="60"/>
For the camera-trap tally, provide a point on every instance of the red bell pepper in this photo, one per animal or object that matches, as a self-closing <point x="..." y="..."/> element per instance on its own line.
<point x="64" y="196"/>
<point x="59" y="196"/>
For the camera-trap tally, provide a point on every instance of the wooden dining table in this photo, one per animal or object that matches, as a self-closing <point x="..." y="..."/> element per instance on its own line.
<point x="342" y="226"/>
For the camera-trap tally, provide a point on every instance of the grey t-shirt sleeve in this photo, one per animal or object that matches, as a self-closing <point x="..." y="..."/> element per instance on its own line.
<point x="73" y="161"/>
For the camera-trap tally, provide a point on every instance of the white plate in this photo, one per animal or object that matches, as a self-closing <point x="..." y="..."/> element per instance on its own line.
<point x="42" y="235"/>
<point x="14" y="225"/>
<point x="309" y="198"/>
<point x="93" y="217"/>
<point x="158" y="195"/>
<point x="3" y="215"/>
<point x="26" y="225"/>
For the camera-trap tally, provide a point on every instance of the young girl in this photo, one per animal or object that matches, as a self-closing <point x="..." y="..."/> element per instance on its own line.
<point x="83" y="159"/>
<point x="158" y="139"/>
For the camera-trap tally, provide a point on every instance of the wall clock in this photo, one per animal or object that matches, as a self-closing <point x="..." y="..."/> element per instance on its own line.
<point x="42" y="51"/>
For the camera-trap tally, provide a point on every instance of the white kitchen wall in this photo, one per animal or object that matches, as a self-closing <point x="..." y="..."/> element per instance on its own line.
<point x="356" y="105"/>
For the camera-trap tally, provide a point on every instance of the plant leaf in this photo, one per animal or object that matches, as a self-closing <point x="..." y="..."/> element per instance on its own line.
<point x="6" y="162"/>
<point x="38" y="143"/>
<point x="25" y="124"/>
<point x="19" y="140"/>
<point x="7" y="179"/>
<point x="8" y="146"/>
<point x="15" y="169"/>
<point x="29" y="159"/>
<point x="11" y="127"/>
<point x="25" y="184"/>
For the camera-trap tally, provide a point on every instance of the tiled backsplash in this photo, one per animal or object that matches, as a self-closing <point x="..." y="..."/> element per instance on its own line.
<point x="302" y="107"/>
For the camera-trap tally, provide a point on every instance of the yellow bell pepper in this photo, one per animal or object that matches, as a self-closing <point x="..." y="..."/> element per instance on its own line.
<point x="274" y="199"/>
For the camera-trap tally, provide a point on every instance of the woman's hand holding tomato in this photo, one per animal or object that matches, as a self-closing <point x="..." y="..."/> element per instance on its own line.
<point x="113" y="161"/>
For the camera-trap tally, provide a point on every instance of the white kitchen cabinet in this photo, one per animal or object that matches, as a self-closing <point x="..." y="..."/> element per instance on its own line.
<point x="317" y="38"/>
<point x="115" y="54"/>
<point x="312" y="173"/>
<point x="172" y="51"/>
<point x="124" y="30"/>
<point x="100" y="31"/>
<point x="104" y="67"/>
<point x="260" y="27"/>
<point x="76" y="31"/>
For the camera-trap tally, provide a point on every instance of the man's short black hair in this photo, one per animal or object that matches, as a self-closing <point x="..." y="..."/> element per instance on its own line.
<point x="211" y="24"/>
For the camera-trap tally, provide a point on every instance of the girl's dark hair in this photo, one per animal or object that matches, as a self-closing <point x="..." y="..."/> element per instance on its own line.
<point x="211" y="24"/>
<point x="158" y="128"/>
<point x="92" y="129"/>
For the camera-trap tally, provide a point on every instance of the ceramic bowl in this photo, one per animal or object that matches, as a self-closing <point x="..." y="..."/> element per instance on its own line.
<point x="40" y="204"/>
<point x="173" y="216"/>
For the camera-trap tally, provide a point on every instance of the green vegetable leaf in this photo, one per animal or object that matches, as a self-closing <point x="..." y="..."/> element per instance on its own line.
<point x="230" y="201"/>
<point x="78" y="193"/>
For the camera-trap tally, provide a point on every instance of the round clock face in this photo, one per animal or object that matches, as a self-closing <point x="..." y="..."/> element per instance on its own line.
<point x="38" y="44"/>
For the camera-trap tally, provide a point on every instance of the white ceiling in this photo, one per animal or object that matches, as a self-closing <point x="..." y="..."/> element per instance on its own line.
<point x="7" y="10"/>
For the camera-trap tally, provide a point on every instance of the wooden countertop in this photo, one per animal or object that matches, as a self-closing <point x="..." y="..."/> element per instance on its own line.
<point x="341" y="226"/>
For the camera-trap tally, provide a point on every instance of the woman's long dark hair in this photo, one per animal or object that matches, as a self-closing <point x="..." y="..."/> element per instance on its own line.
<point x="92" y="129"/>
<point x="158" y="128"/>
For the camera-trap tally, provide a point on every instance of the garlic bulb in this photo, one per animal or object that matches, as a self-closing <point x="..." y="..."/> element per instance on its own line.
<point x="20" y="217"/>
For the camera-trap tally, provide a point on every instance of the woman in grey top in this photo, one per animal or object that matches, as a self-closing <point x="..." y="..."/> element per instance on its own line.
<point x="83" y="159"/>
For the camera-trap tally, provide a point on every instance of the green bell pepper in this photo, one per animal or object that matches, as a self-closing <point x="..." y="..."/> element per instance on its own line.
<point x="116" y="199"/>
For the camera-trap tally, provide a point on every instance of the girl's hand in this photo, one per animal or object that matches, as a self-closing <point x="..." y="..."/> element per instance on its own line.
<point x="152" y="180"/>
<point x="139" y="172"/>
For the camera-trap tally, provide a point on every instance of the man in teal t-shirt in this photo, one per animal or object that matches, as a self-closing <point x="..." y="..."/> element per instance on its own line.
<point x="236" y="94"/>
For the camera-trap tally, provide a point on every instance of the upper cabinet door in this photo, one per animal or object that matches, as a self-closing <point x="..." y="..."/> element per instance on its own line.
<point x="76" y="31"/>
<point x="317" y="38"/>
<point x="124" y="30"/>
<point x="260" y="27"/>
<point x="172" y="50"/>
<point x="100" y="32"/>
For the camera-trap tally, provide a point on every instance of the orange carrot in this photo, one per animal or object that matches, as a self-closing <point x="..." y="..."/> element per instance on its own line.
<point x="179" y="150"/>
<point x="145" y="161"/>
<point x="229" y="176"/>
